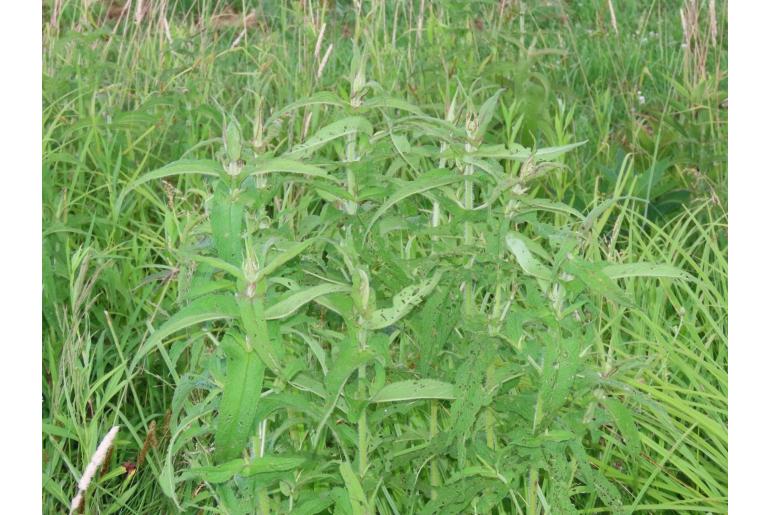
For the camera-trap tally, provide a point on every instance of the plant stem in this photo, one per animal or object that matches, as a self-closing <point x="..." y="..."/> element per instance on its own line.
<point x="434" y="475"/>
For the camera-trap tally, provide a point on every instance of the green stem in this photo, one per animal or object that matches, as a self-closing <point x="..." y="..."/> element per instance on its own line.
<point x="434" y="475"/>
<point x="363" y="435"/>
<point x="532" y="492"/>
<point x="489" y="415"/>
<point x="468" y="238"/>
<point x="351" y="206"/>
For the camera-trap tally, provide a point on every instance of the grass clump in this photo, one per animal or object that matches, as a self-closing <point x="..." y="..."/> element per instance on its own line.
<point x="404" y="257"/>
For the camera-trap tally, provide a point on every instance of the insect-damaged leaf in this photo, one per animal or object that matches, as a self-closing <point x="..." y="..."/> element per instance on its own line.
<point x="624" y="420"/>
<point x="403" y="303"/>
<point x="469" y="390"/>
<point x="594" y="481"/>
<point x="626" y="270"/>
<point x="413" y="390"/>
<point x="456" y="497"/>
<point x="526" y="259"/>
<point x="594" y="278"/>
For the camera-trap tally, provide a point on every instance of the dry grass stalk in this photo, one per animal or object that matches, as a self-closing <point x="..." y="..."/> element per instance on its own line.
<point x="149" y="442"/>
<point x="55" y="14"/>
<point x="613" y="19"/>
<point x="695" y="42"/>
<point x="317" y="51"/>
<point x="324" y="60"/>
<point x="229" y="19"/>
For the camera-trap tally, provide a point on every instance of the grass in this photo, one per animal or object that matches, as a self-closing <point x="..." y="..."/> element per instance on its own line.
<point x="390" y="257"/>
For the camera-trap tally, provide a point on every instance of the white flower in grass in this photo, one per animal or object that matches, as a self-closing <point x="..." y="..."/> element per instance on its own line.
<point x="96" y="460"/>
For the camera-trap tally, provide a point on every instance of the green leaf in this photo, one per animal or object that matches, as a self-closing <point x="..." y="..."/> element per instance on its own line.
<point x="272" y="464"/>
<point x="314" y="505"/>
<point x="181" y="167"/>
<point x="548" y="205"/>
<point x="338" y="129"/>
<point x="203" y="309"/>
<point x="354" y="490"/>
<point x="560" y="365"/>
<point x="527" y="261"/>
<point x="219" y="264"/>
<point x="403" y="303"/>
<point x="592" y="275"/>
<point x="413" y="390"/>
<point x="294" y="300"/>
<point x="469" y="388"/>
<point x="487" y="111"/>
<point x="456" y="497"/>
<point x="243" y="387"/>
<point x="320" y="98"/>
<point x="595" y="480"/>
<point x="264" y="166"/>
<point x="348" y="361"/>
<point x="545" y="154"/>
<point x="233" y="141"/>
<point x="626" y="270"/>
<point x="286" y="255"/>
<point x="425" y="182"/>
<point x="624" y="420"/>
<point x="226" y="225"/>
<point x="560" y="473"/>
<point x="229" y="469"/>
<point x="386" y="101"/>
<point x="218" y="473"/>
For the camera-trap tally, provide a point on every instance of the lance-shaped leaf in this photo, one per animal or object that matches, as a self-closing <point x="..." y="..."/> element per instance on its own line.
<point x="226" y="225"/>
<point x="349" y="359"/>
<point x="229" y="469"/>
<point x="386" y="101"/>
<point x="425" y="182"/>
<point x="626" y="270"/>
<point x="519" y="153"/>
<point x="294" y="300"/>
<point x="181" y="167"/>
<point x="237" y="410"/>
<point x="355" y="491"/>
<point x="264" y="166"/>
<point x="320" y="98"/>
<point x="414" y="390"/>
<point x="203" y="309"/>
<point x="338" y="129"/>
<point x="286" y="255"/>
<point x="486" y="112"/>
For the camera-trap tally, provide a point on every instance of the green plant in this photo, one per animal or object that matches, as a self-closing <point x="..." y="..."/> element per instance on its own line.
<point x="356" y="291"/>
